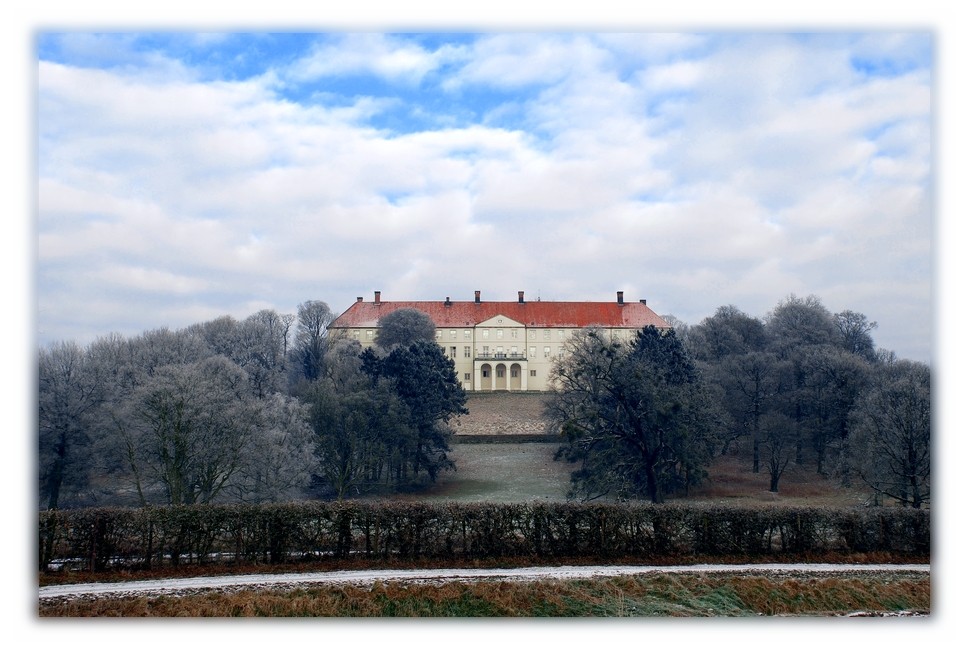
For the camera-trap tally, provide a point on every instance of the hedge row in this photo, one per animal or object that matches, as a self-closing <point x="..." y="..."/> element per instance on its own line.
<point x="100" y="538"/>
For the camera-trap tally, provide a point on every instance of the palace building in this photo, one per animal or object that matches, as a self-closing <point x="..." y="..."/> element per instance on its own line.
<point x="503" y="346"/>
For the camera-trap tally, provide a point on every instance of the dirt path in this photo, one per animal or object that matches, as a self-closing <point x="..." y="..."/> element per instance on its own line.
<point x="368" y="577"/>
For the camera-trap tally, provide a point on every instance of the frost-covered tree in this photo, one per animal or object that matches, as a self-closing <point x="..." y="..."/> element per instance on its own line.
<point x="186" y="431"/>
<point x="70" y="392"/>
<point x="890" y="438"/>
<point x="312" y="319"/>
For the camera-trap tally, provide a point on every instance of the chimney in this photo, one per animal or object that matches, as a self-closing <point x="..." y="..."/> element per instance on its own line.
<point x="376" y="297"/>
<point x="359" y="298"/>
<point x="477" y="297"/>
<point x="521" y="296"/>
<point x="619" y="297"/>
<point x="447" y="301"/>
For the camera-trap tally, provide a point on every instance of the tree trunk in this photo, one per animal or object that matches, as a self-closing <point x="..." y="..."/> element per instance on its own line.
<point x="57" y="474"/>
<point x="756" y="467"/>
<point x="775" y="479"/>
<point x="652" y="485"/>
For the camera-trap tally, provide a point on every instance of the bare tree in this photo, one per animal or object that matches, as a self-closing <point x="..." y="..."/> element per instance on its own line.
<point x="855" y="332"/>
<point x="751" y="383"/>
<point x="312" y="319"/>
<point x="69" y="394"/>
<point x="796" y="322"/>
<point x="263" y="346"/>
<point x="187" y="429"/>
<point x="779" y="439"/>
<point x="891" y="433"/>
<point x="278" y="461"/>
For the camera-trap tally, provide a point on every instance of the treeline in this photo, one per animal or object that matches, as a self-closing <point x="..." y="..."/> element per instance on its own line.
<point x="806" y="386"/>
<point x="274" y="408"/>
<point x="269" y="408"/>
<point x="643" y="418"/>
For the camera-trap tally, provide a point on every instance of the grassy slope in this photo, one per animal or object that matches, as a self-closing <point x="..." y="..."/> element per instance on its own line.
<point x="515" y="472"/>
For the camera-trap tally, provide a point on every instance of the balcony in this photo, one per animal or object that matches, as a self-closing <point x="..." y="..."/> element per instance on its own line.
<point x="500" y="356"/>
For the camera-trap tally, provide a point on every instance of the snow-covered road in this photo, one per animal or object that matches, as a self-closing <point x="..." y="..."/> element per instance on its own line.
<point x="369" y="577"/>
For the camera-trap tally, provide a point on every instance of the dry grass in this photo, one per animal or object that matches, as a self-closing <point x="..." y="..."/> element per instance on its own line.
<point x="731" y="481"/>
<point x="661" y="595"/>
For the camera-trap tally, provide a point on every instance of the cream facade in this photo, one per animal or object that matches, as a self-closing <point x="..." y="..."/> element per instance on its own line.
<point x="502" y="346"/>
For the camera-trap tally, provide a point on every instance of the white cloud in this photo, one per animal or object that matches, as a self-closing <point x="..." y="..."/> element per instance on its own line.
<point x="679" y="75"/>
<point x="376" y="54"/>
<point x="694" y="171"/>
<point x="511" y="61"/>
<point x="151" y="280"/>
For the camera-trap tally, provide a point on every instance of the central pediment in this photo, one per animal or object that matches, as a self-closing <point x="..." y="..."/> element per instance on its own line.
<point x="500" y="320"/>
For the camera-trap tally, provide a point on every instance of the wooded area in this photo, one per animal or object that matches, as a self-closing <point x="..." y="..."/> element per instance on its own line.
<point x="801" y="385"/>
<point x="273" y="408"/>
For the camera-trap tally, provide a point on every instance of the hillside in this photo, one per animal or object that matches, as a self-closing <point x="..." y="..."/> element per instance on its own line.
<point x="502" y="414"/>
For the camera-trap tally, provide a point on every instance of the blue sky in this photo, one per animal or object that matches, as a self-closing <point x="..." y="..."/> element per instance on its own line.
<point x="185" y="175"/>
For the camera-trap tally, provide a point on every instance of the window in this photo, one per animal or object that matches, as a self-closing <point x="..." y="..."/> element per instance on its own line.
<point x="467" y="335"/>
<point x="531" y="351"/>
<point x="501" y="372"/>
<point x="547" y="334"/>
<point x="454" y="351"/>
<point x="369" y="335"/>
<point x="548" y="352"/>
<point x="485" y="372"/>
<point x="514" y="372"/>
<point x="514" y="334"/>
<point x="437" y="334"/>
<point x="514" y="350"/>
<point x="467" y="352"/>
<point x="485" y="333"/>
<point x="532" y="373"/>
<point x="454" y="334"/>
<point x="467" y="376"/>
<point x="531" y="334"/>
<point x="499" y="334"/>
<point x="484" y="350"/>
<point x="561" y="335"/>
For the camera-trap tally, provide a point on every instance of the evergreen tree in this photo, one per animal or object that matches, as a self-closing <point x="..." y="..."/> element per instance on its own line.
<point x="636" y="415"/>
<point x="424" y="380"/>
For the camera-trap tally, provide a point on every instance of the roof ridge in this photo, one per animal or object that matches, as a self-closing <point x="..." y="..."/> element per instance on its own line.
<point x="538" y="313"/>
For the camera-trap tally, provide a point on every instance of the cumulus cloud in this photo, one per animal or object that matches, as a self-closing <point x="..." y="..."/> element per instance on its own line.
<point x="380" y="55"/>
<point x="692" y="170"/>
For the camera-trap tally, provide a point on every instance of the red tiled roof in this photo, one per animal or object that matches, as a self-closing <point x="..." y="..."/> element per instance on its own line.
<point x="531" y="314"/>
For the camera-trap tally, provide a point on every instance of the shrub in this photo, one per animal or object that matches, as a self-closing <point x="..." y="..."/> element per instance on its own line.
<point x="100" y="538"/>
